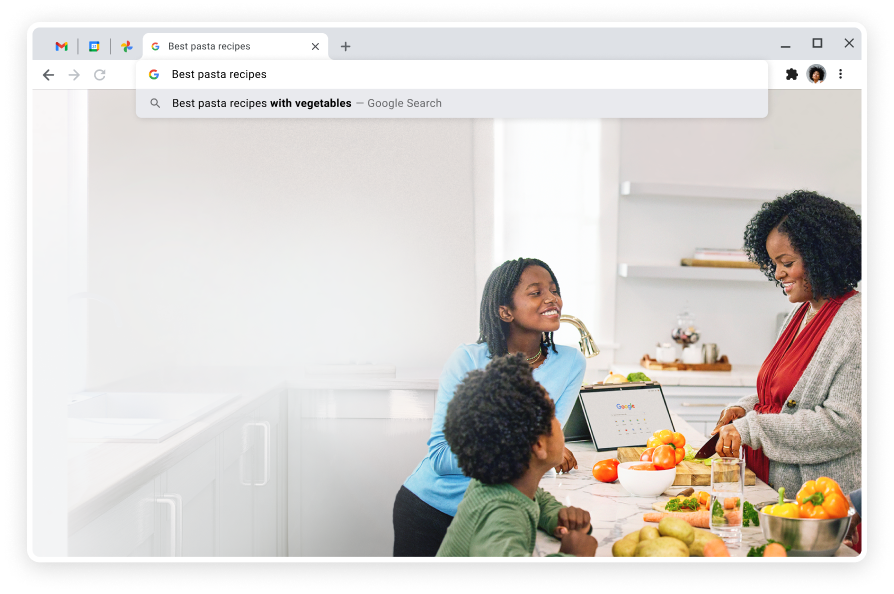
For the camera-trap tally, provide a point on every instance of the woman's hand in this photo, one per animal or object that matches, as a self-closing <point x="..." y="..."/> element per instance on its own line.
<point x="728" y="415"/>
<point x="729" y="442"/>
<point x="572" y="518"/>
<point x="568" y="462"/>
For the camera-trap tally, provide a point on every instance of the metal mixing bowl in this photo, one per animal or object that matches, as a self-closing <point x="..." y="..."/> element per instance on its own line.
<point x="806" y="537"/>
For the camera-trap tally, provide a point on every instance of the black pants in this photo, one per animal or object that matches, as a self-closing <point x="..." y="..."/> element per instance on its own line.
<point x="418" y="527"/>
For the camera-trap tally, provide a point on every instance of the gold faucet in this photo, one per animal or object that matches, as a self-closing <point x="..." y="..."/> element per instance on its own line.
<point x="587" y="346"/>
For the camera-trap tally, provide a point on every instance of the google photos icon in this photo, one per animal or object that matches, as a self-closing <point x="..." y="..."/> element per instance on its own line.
<point x="126" y="45"/>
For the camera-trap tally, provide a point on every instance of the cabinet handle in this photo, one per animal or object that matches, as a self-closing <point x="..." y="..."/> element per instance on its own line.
<point x="176" y="503"/>
<point x="266" y="427"/>
<point x="701" y="404"/>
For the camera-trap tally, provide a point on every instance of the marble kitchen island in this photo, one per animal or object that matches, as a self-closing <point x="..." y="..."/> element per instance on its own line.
<point x="615" y="513"/>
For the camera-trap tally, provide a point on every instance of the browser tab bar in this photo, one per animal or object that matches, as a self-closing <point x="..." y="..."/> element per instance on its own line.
<point x="236" y="46"/>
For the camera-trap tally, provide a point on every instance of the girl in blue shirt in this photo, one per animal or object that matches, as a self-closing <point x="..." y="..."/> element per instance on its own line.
<point x="520" y="310"/>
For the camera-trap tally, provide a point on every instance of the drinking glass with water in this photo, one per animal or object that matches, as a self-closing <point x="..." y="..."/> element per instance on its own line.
<point x="727" y="496"/>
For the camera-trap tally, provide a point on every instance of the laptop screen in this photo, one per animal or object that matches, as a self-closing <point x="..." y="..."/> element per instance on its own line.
<point x="624" y="415"/>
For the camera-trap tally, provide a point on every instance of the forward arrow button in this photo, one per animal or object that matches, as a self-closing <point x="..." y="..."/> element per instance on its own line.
<point x="75" y="75"/>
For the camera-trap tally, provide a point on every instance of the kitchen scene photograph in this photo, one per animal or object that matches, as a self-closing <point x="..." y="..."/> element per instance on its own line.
<point x="451" y="337"/>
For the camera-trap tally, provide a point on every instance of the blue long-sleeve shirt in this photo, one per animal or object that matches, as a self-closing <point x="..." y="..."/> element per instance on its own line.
<point x="438" y="480"/>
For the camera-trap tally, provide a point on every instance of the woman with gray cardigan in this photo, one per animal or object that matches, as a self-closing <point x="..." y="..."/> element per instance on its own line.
<point x="805" y="420"/>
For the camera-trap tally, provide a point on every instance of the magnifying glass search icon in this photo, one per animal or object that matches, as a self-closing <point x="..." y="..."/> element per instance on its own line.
<point x="154" y="103"/>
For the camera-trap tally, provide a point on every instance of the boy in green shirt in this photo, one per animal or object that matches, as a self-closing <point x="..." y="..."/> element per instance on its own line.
<point x="502" y="427"/>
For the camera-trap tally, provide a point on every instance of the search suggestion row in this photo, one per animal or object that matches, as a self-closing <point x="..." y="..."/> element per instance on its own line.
<point x="287" y="103"/>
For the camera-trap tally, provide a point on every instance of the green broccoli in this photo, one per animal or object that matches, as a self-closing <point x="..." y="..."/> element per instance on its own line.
<point x="638" y="376"/>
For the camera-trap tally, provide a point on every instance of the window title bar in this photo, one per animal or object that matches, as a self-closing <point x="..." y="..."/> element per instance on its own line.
<point x="488" y="41"/>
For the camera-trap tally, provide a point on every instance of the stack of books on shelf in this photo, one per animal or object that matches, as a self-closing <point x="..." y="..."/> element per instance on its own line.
<point x="718" y="258"/>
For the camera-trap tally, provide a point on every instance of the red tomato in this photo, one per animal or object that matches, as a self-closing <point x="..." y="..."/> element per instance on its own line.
<point x="606" y="471"/>
<point x="664" y="457"/>
<point x="679" y="454"/>
<point x="643" y="467"/>
<point x="678" y="441"/>
<point x="647" y="455"/>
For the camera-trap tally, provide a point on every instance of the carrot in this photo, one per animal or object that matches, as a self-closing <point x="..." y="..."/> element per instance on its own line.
<point x="774" y="549"/>
<point x="715" y="548"/>
<point x="733" y="517"/>
<point x="698" y="519"/>
<point x="730" y="503"/>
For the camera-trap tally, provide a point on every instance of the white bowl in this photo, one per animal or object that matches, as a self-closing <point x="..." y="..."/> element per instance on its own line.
<point x="645" y="483"/>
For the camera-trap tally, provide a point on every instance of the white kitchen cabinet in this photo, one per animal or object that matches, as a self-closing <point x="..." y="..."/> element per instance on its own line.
<point x="226" y="498"/>
<point x="349" y="453"/>
<point x="253" y="502"/>
<point x="188" y="512"/>
<point x="126" y="530"/>
<point x="237" y="445"/>
<point x="269" y="501"/>
<point x="700" y="406"/>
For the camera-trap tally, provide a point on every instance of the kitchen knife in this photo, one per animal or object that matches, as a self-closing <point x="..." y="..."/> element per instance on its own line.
<point x="709" y="449"/>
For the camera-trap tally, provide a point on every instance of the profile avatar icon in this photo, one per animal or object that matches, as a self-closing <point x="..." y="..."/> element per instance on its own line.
<point x="816" y="74"/>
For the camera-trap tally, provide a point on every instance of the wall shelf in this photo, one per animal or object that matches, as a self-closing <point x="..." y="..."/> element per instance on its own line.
<point x="692" y="191"/>
<point x="690" y="273"/>
<point x="629" y="188"/>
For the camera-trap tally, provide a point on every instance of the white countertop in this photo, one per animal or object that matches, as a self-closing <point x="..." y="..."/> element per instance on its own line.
<point x="614" y="512"/>
<point x="740" y="375"/>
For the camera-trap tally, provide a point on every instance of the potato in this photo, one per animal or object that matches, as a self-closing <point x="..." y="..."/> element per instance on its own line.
<point x="696" y="547"/>
<point x="677" y="528"/>
<point x="626" y="546"/>
<point x="648" y="533"/>
<point x="663" y="546"/>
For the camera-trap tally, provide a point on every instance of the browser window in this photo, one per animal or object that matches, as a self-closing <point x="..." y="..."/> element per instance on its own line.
<point x="252" y="249"/>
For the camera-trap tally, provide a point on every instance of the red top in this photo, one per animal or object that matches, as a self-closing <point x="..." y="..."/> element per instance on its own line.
<point x="784" y="366"/>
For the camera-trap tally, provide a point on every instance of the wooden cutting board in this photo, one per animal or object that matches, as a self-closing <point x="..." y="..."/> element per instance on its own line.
<point x="722" y="364"/>
<point x="689" y="474"/>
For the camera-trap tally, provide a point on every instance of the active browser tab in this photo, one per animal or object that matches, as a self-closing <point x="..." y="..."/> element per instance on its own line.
<point x="236" y="46"/>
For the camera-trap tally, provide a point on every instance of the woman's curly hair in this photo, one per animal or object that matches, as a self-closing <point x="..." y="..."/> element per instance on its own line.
<point x="495" y="417"/>
<point x="825" y="233"/>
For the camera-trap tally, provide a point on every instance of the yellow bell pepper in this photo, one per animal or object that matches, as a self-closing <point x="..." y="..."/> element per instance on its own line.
<point x="783" y="509"/>
<point x="787" y="510"/>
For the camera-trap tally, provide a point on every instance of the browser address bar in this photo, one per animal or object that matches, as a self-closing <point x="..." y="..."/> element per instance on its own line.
<point x="453" y="74"/>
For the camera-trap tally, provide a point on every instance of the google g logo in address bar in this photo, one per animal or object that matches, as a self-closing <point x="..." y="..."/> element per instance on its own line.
<point x="153" y="74"/>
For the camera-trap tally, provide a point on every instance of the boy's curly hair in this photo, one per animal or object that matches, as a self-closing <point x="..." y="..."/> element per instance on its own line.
<point x="494" y="419"/>
<point x="825" y="232"/>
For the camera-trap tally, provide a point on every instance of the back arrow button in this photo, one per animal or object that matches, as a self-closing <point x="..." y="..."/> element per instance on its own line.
<point x="75" y="75"/>
<point x="47" y="74"/>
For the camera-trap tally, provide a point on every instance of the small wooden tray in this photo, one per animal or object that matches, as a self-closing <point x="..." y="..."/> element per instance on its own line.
<point x="717" y="263"/>
<point x="722" y="364"/>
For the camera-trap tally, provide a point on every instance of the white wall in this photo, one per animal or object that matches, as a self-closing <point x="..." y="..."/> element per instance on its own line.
<point x="277" y="242"/>
<point x="809" y="140"/>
